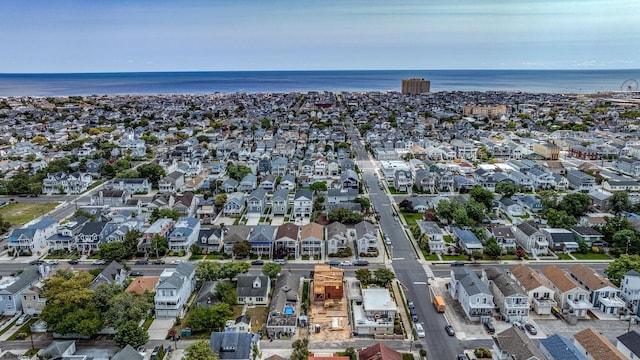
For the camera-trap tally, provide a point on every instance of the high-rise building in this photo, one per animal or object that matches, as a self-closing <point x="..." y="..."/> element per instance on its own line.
<point x="415" y="86"/>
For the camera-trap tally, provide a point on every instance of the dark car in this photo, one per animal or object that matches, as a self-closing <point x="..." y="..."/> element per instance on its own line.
<point x="414" y="315"/>
<point x="462" y="357"/>
<point x="158" y="262"/>
<point x="136" y="273"/>
<point x="73" y="262"/>
<point x="531" y="329"/>
<point x="489" y="327"/>
<point x="142" y="262"/>
<point x="257" y="262"/>
<point x="457" y="263"/>
<point x="410" y="304"/>
<point x="154" y="353"/>
<point x="36" y="262"/>
<point x="333" y="262"/>
<point x="361" y="263"/>
<point x="449" y="330"/>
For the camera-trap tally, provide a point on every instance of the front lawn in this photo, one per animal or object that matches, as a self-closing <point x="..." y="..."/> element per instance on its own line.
<point x="429" y="257"/>
<point x="23" y="332"/>
<point x="563" y="256"/>
<point x="454" y="257"/>
<point x="592" y="256"/>
<point x="21" y="213"/>
<point x="258" y="315"/>
<point x="411" y="218"/>
<point x="393" y="191"/>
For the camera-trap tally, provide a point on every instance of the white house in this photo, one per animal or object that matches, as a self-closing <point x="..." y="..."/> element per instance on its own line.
<point x="302" y="203"/>
<point x="174" y="289"/>
<point x="366" y="239"/>
<point x="253" y="289"/>
<point x="472" y="294"/>
<point x="630" y="290"/>
<point x="539" y="293"/>
<point x="508" y="295"/>
<point x="184" y="234"/>
<point x="33" y="236"/>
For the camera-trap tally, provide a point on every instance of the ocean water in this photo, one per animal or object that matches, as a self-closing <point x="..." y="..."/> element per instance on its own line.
<point x="535" y="81"/>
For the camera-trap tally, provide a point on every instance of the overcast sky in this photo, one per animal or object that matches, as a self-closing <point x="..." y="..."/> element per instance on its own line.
<point x="210" y="35"/>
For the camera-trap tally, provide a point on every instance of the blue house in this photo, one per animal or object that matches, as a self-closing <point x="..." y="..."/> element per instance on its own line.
<point x="11" y="290"/>
<point x="560" y="348"/>
<point x="531" y="202"/>
<point x="468" y="240"/>
<point x="261" y="239"/>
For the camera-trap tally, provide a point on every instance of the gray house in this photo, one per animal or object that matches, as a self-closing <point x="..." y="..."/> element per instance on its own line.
<point x="280" y="202"/>
<point x="10" y="295"/>
<point x="235" y="345"/>
<point x="508" y="295"/>
<point x="257" y="201"/>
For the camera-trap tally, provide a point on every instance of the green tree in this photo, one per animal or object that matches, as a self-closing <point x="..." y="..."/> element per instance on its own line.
<point x="210" y="318"/>
<point x="131" y="241"/>
<point x="318" y="186"/>
<point x="560" y="219"/>
<point x="69" y="308"/>
<point x="445" y="209"/>
<point x="506" y="188"/>
<point x="364" y="202"/>
<point x="227" y="292"/>
<point x="208" y="271"/>
<point x="238" y="172"/>
<point x="482" y="195"/>
<point x="619" y="202"/>
<point x="575" y="204"/>
<point x="492" y="248"/>
<point x="616" y="270"/>
<point x="241" y="249"/>
<point x="121" y="165"/>
<point x="364" y="276"/>
<point x="626" y="242"/>
<point x="129" y="333"/>
<point x="112" y="251"/>
<point x="103" y="293"/>
<point x="461" y="218"/>
<point x="159" y="245"/>
<point x="199" y="350"/>
<point x="474" y="210"/>
<point x="220" y="200"/>
<point x="127" y="306"/>
<point x="164" y="213"/>
<point x="300" y="349"/>
<point x="613" y="225"/>
<point x="230" y="270"/>
<point x="344" y="216"/>
<point x="152" y="172"/>
<point x="272" y="270"/>
<point x="383" y="276"/>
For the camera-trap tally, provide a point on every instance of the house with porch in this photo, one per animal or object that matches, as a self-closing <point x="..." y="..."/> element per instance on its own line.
<point x="539" y="293"/>
<point x="302" y="203"/>
<point x="280" y="202"/>
<point x="337" y="238"/>
<point x="472" y="294"/>
<point x="235" y="204"/>
<point x="570" y="296"/>
<point x="184" y="234"/>
<point x="92" y="234"/>
<point x="172" y="182"/>
<point x="32" y="237"/>
<point x="532" y="240"/>
<point x="508" y="295"/>
<point x="366" y="239"/>
<point x="312" y="240"/>
<point x="174" y="289"/>
<point x="468" y="241"/>
<point x="261" y="240"/>
<point x="257" y="201"/>
<point x="630" y="290"/>
<point x="603" y="295"/>
<point x="433" y="234"/>
<point x="235" y="234"/>
<point x="286" y="241"/>
<point x="12" y="288"/>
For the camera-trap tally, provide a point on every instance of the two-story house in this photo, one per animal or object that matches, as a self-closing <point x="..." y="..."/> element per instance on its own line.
<point x="286" y="241"/>
<point x="581" y="181"/>
<point x="261" y="240"/>
<point x="13" y="287"/>
<point x="630" y="290"/>
<point x="504" y="236"/>
<point x="66" y="183"/>
<point x="349" y="180"/>
<point x="65" y="236"/>
<point x="312" y="240"/>
<point x="32" y="300"/>
<point x="92" y="234"/>
<point x="337" y="238"/>
<point x="114" y="273"/>
<point x="32" y="237"/>
<point x="302" y="203"/>
<point x="235" y="234"/>
<point x="539" y="293"/>
<point x="280" y="202"/>
<point x="133" y="185"/>
<point x="235" y="204"/>
<point x="433" y="234"/>
<point x="174" y="289"/>
<point x="472" y="294"/>
<point x="366" y="239"/>
<point x="508" y="295"/>
<point x="531" y="239"/>
<point x="172" y="182"/>
<point x="184" y="234"/>
<point x="376" y="314"/>
<point x="253" y="289"/>
<point x="402" y="180"/>
<point x="248" y="183"/>
<point x="257" y="201"/>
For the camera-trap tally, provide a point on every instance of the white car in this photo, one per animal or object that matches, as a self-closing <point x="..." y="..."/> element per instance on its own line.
<point x="419" y="330"/>
<point x="346" y="263"/>
<point x="23" y="319"/>
<point x="53" y="262"/>
<point x="176" y="262"/>
<point x="99" y="262"/>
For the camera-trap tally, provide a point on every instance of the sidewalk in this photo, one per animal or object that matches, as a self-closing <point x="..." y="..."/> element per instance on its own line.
<point x="401" y="301"/>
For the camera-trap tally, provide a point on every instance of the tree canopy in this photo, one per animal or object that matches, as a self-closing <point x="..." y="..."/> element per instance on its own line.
<point x="616" y="270"/>
<point x="344" y="216"/>
<point x="199" y="350"/>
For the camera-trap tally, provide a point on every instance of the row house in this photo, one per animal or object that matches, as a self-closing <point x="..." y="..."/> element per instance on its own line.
<point x="161" y="227"/>
<point x="628" y="166"/>
<point x="581" y="152"/>
<point x="66" y="183"/>
<point x="32" y="237"/>
<point x="248" y="183"/>
<point x="235" y="234"/>
<point x="184" y="234"/>
<point x="337" y="238"/>
<point x="65" y="236"/>
<point x="349" y="180"/>
<point x="14" y="287"/>
<point x="261" y="240"/>
<point x="621" y="185"/>
<point x="287" y="182"/>
<point x="257" y="201"/>
<point x="472" y="294"/>
<point x="570" y="296"/>
<point x="522" y="180"/>
<point x="280" y="202"/>
<point x="464" y="149"/>
<point x="32" y="300"/>
<point x="268" y="183"/>
<point x="366" y="239"/>
<point x="511" y="299"/>
<point x="302" y="203"/>
<point x="402" y="180"/>
<point x="630" y="290"/>
<point x="286" y="241"/>
<point x="540" y="295"/>
<point x="581" y="181"/>
<point x="110" y="198"/>
<point x="603" y="295"/>
<point x="133" y="185"/>
<point x="312" y="240"/>
<point x="211" y="238"/>
<point x="504" y="236"/>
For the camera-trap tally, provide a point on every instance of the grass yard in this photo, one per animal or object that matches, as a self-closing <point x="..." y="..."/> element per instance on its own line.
<point x="411" y="218"/>
<point x="430" y="257"/>
<point x="258" y="315"/>
<point x="21" y="213"/>
<point x="454" y="257"/>
<point x="563" y="256"/>
<point x="592" y="256"/>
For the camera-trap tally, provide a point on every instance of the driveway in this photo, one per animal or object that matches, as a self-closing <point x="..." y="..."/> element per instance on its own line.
<point x="159" y="328"/>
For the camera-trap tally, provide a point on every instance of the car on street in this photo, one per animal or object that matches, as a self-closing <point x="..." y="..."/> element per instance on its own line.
<point x="176" y="262"/>
<point x="457" y="263"/>
<point x="461" y="357"/>
<point x="333" y="262"/>
<point x="346" y="263"/>
<point x="257" y="262"/>
<point x="419" y="329"/>
<point x="361" y="263"/>
<point x="280" y="261"/>
<point x="36" y="262"/>
<point x="410" y="304"/>
<point x="23" y="319"/>
<point x="142" y="262"/>
<point x="449" y="330"/>
<point x="154" y="353"/>
<point x="531" y="329"/>
<point x="490" y="328"/>
<point x="99" y="262"/>
<point x="158" y="262"/>
<point x="136" y="273"/>
<point x="72" y="262"/>
<point x="414" y="315"/>
<point x="53" y="262"/>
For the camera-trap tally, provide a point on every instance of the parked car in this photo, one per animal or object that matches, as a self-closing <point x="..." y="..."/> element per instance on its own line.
<point x="23" y="319"/>
<point x="462" y="357"/>
<point x="490" y="328"/>
<point x="36" y="262"/>
<point x="154" y="353"/>
<point x="176" y="262"/>
<point x="257" y="262"/>
<point x="73" y="262"/>
<point x="449" y="330"/>
<point x="333" y="262"/>
<point x="280" y="261"/>
<point x="99" y="262"/>
<point x="419" y="329"/>
<point x="410" y="304"/>
<point x="142" y="262"/>
<point x="158" y="262"/>
<point x="346" y="263"/>
<point x="414" y="315"/>
<point x="457" y="263"/>
<point x="136" y="273"/>
<point x="52" y="262"/>
<point x="361" y="263"/>
<point x="531" y="329"/>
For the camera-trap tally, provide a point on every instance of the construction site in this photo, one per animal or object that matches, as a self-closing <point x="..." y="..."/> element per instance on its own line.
<point x="329" y="312"/>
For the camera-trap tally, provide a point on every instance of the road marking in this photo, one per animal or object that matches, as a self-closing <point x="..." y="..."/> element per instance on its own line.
<point x="397" y="259"/>
<point x="419" y="283"/>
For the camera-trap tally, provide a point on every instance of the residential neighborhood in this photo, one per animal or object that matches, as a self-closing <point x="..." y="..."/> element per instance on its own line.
<point x="254" y="223"/>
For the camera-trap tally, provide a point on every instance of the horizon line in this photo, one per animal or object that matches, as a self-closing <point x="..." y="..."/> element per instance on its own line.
<point x="297" y="70"/>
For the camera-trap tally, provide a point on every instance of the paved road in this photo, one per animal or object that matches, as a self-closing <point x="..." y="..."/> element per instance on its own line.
<point x="408" y="270"/>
